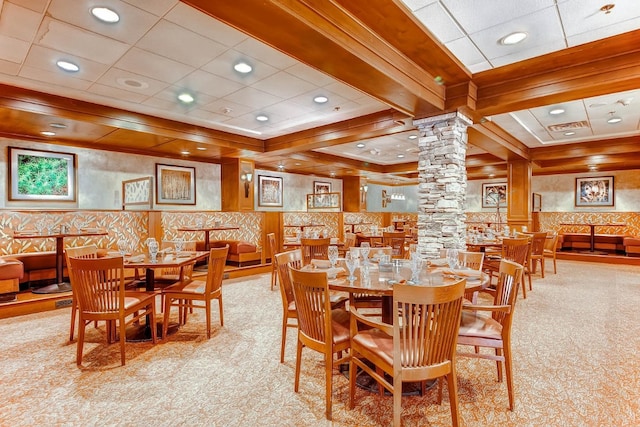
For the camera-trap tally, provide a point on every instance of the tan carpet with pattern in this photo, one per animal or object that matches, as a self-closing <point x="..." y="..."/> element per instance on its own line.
<point x="576" y="341"/>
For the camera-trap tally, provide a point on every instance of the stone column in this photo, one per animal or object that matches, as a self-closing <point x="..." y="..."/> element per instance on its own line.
<point x="442" y="183"/>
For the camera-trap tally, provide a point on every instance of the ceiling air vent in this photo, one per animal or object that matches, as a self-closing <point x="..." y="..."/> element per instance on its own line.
<point x="562" y="127"/>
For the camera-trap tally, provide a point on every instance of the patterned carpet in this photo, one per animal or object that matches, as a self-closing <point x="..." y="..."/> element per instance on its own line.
<point x="576" y="344"/>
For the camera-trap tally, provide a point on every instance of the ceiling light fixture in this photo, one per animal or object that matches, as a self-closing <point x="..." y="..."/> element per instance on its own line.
<point x="242" y="67"/>
<point x="105" y="14"/>
<point x="360" y="145"/>
<point x="67" y="66"/>
<point x="400" y="156"/>
<point x="607" y="8"/>
<point x="320" y="99"/>
<point x="513" y="38"/>
<point x="413" y="136"/>
<point x="614" y="120"/>
<point x="280" y="166"/>
<point x="58" y="125"/>
<point x="47" y="133"/>
<point x="556" y="111"/>
<point x="570" y="133"/>
<point x="262" y="118"/>
<point x="185" y="153"/>
<point x="201" y="148"/>
<point x="186" y="98"/>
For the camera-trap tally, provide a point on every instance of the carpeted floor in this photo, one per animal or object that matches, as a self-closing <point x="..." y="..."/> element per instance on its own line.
<point x="576" y="346"/>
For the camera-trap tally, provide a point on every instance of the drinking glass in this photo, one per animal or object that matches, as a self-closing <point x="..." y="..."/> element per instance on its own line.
<point x="152" y="245"/>
<point x="365" y="248"/>
<point x="352" y="263"/>
<point x="178" y="244"/>
<point x="40" y="226"/>
<point x="416" y="267"/>
<point x="452" y="258"/>
<point x="333" y="255"/>
<point x="123" y="246"/>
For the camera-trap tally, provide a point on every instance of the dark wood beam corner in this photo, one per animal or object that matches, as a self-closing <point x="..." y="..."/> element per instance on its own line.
<point x="462" y="96"/>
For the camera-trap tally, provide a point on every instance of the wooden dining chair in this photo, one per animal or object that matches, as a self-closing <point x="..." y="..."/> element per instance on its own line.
<point x="89" y="251"/>
<point x="473" y="261"/>
<point x="185" y="293"/>
<point x="489" y="326"/>
<point x="170" y="275"/>
<point x="516" y="250"/>
<point x="284" y="261"/>
<point x="419" y="346"/>
<point x="273" y="247"/>
<point x="395" y="239"/>
<point x="101" y="294"/>
<point x="538" y="241"/>
<point x="550" y="249"/>
<point x="349" y="242"/>
<point x="314" y="249"/>
<point x="320" y="328"/>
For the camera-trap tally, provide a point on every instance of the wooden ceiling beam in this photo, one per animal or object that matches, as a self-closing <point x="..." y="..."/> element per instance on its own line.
<point x="628" y="145"/>
<point x="592" y="69"/>
<point x="493" y="139"/>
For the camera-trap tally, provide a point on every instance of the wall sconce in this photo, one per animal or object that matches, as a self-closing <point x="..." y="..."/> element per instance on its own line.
<point x="386" y="198"/>
<point x="363" y="193"/>
<point x="246" y="178"/>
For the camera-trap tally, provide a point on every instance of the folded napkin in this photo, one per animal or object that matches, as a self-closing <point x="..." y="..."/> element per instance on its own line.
<point x="184" y="254"/>
<point x="439" y="262"/>
<point x="89" y="230"/>
<point x="24" y="232"/>
<point x="135" y="258"/>
<point x="320" y="263"/>
<point x="462" y="272"/>
<point x="333" y="272"/>
<point x="290" y="239"/>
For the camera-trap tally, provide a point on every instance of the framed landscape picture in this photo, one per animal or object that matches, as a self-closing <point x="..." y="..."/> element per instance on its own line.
<point x="41" y="175"/>
<point x="594" y="191"/>
<point x="494" y="194"/>
<point x="269" y="191"/>
<point x="175" y="185"/>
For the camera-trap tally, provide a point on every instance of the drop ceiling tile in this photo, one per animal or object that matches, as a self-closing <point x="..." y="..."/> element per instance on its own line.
<point x="543" y="28"/>
<point x="18" y="22"/>
<point x="223" y="66"/>
<point x="551" y="46"/>
<point x="574" y="112"/>
<point x="53" y="79"/>
<point x="13" y="50"/>
<point x="218" y="106"/>
<point x="604" y="32"/>
<point x="210" y="116"/>
<point x="347" y="92"/>
<point x="582" y="16"/>
<point x="55" y="34"/>
<point x="439" y="22"/>
<point x="175" y="42"/>
<point x="309" y="74"/>
<point x="115" y="93"/>
<point x="202" y="24"/>
<point x="35" y="5"/>
<point x="117" y="78"/>
<point x="171" y="94"/>
<point x="465" y="51"/>
<point x="253" y="98"/>
<point x="474" y="16"/>
<point x="479" y="67"/>
<point x="157" y="7"/>
<point x="45" y="59"/>
<point x="7" y="67"/>
<point x="283" y="85"/>
<point x="133" y="24"/>
<point x="210" y="84"/>
<point x="151" y="65"/>
<point x="264" y="53"/>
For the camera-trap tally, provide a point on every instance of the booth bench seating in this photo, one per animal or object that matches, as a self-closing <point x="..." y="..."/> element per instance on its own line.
<point x="241" y="253"/>
<point x="632" y="246"/>
<point x="602" y="242"/>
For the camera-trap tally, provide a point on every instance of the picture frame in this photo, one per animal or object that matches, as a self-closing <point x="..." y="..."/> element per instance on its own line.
<point x="38" y="175"/>
<point x="536" y="202"/>
<point x="494" y="194"/>
<point x="269" y="191"/>
<point x="593" y="191"/>
<point x="323" y="201"/>
<point x="175" y="185"/>
<point x="137" y="192"/>
<point x="321" y="187"/>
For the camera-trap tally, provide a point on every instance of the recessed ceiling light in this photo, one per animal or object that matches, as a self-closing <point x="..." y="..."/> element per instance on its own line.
<point x="132" y="83"/>
<point x="491" y="175"/>
<point x="400" y="156"/>
<point x="187" y="98"/>
<point x="614" y="120"/>
<point x="280" y="166"/>
<point x="556" y="111"/>
<point x="513" y="38"/>
<point x="242" y="67"/>
<point x="413" y="136"/>
<point x="262" y="118"/>
<point x="67" y="66"/>
<point x="185" y="153"/>
<point x="47" y="133"/>
<point x="570" y="133"/>
<point x="320" y="99"/>
<point x="332" y="174"/>
<point x="58" y="125"/>
<point x="360" y="145"/>
<point x="201" y="148"/>
<point x="105" y="14"/>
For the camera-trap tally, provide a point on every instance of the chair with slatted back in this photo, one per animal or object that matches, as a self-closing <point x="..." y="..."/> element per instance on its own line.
<point x="419" y="346"/>
<point x="395" y="239"/>
<point x="489" y="326"/>
<point x="170" y="275"/>
<point x="473" y="261"/>
<point x="314" y="249"/>
<point x="516" y="250"/>
<point x="100" y="287"/>
<point x="284" y="261"/>
<point x="273" y="247"/>
<point x="550" y="248"/>
<point x="320" y="328"/>
<point x="349" y="242"/>
<point x="89" y="251"/>
<point x="538" y="242"/>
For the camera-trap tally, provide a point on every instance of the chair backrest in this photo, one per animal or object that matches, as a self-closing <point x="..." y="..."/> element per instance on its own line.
<point x="314" y="249"/>
<point x="538" y="240"/>
<point x="189" y="245"/>
<point x="286" y="261"/>
<point x="215" y="269"/>
<point x="551" y="242"/>
<point x="382" y="250"/>
<point x="311" y="293"/>
<point x="425" y="327"/>
<point x="349" y="240"/>
<point x="509" y="276"/>
<point x="187" y="271"/>
<point x="516" y="250"/>
<point x="99" y="284"/>
<point x="89" y="251"/>
<point x="273" y="245"/>
<point x="472" y="260"/>
<point x="395" y="239"/>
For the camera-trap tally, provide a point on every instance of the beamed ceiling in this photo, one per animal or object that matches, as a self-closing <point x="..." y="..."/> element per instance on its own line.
<point x="376" y="56"/>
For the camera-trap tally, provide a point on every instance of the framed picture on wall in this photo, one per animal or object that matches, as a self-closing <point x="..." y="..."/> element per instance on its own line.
<point x="175" y="185"/>
<point x="321" y="187"/>
<point x="594" y="191"/>
<point x="536" y="203"/>
<point x="494" y="194"/>
<point x="137" y="192"/>
<point x="269" y="191"/>
<point x="41" y="175"/>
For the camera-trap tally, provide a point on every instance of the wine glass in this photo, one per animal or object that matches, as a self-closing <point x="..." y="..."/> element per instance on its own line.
<point x="416" y="267"/>
<point x="365" y="248"/>
<point x="333" y="255"/>
<point x="123" y="246"/>
<point x="152" y="245"/>
<point x="352" y="261"/>
<point x="178" y="244"/>
<point x="452" y="258"/>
